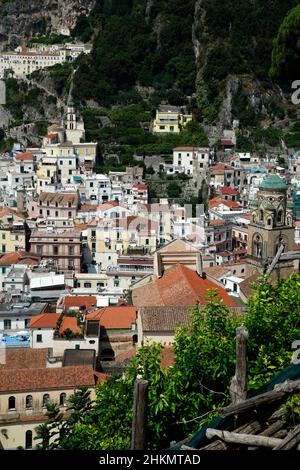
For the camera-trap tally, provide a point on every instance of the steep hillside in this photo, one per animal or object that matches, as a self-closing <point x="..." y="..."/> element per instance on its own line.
<point x="22" y="19"/>
<point x="213" y="56"/>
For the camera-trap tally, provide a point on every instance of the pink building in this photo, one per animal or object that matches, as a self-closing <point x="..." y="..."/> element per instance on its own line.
<point x="62" y="247"/>
<point x="61" y="205"/>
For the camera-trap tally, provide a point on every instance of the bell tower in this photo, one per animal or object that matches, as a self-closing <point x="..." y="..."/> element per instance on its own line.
<point x="271" y="226"/>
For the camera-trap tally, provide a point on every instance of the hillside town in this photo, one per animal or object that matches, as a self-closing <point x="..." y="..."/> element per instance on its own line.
<point x="91" y="269"/>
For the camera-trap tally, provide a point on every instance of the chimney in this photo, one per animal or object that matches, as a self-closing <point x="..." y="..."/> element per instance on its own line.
<point x="199" y="264"/>
<point x="157" y="265"/>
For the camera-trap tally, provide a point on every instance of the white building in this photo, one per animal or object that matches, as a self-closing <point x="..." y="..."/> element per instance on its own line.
<point x="98" y="187"/>
<point x="23" y="61"/>
<point x="189" y="159"/>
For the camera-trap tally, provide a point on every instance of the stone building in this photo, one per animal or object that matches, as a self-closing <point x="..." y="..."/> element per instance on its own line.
<point x="271" y="226"/>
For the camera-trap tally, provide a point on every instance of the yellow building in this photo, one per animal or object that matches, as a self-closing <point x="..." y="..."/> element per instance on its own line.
<point x="86" y="152"/>
<point x="169" y="119"/>
<point x="12" y="231"/>
<point x="113" y="237"/>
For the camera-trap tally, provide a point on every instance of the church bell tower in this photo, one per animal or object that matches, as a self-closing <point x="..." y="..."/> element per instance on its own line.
<point x="271" y="226"/>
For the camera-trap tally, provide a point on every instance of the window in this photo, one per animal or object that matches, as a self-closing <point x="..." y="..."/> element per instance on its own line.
<point x="87" y="285"/>
<point x="39" y="338"/>
<point x="11" y="403"/>
<point x="28" y="440"/>
<point x="46" y="399"/>
<point x="55" y="250"/>
<point x="29" y="401"/>
<point x="69" y="214"/>
<point x="3" y="236"/>
<point x="62" y="399"/>
<point x="39" y="249"/>
<point x="71" y="250"/>
<point x="7" y="324"/>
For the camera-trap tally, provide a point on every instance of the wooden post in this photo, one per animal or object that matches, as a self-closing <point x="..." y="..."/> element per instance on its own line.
<point x="238" y="388"/>
<point x="138" y="441"/>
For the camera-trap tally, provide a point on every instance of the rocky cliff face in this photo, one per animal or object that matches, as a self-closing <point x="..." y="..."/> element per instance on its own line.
<point x="22" y="19"/>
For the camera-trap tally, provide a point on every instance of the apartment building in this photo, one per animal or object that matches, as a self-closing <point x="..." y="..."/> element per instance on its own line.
<point x="62" y="247"/>
<point x="57" y="208"/>
<point x="14" y="233"/>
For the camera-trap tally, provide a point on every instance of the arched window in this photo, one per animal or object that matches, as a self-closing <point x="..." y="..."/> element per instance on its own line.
<point x="46" y="399"/>
<point x="261" y="215"/>
<point x="29" y="401"/>
<point x="62" y="399"/>
<point x="279" y="216"/>
<point x="11" y="403"/>
<point x="269" y="222"/>
<point x="28" y="440"/>
<point x="257" y="246"/>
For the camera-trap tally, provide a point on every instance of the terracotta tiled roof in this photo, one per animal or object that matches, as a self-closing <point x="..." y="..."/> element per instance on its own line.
<point x="164" y="318"/>
<point x="80" y="227"/>
<point x="218" y="202"/>
<point x="59" y="198"/>
<point x="179" y="286"/>
<point x="114" y="317"/>
<point x="8" y="211"/>
<point x="140" y="186"/>
<point x="57" y="378"/>
<point x="214" y="223"/>
<point x="227" y="142"/>
<point x="88" y="207"/>
<point x="216" y="271"/>
<point x="69" y="323"/>
<point x="184" y="149"/>
<point x="23" y="156"/>
<point x="87" y="301"/>
<point x="246" y="285"/>
<point x="16" y="358"/>
<point x="11" y="258"/>
<point x="125" y="355"/>
<point x="229" y="191"/>
<point x="224" y="254"/>
<point x="44" y="320"/>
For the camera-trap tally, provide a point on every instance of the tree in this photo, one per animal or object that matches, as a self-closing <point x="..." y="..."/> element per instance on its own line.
<point x="174" y="190"/>
<point x="196" y="386"/>
<point x="286" y="48"/>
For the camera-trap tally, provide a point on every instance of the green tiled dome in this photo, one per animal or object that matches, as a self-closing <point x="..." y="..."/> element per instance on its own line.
<point x="273" y="182"/>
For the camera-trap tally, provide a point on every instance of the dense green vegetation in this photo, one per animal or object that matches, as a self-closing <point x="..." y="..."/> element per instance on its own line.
<point x="189" y="393"/>
<point x="286" y="50"/>
<point x="239" y="37"/>
<point x="125" y="132"/>
<point x="53" y="39"/>
<point x="127" y="50"/>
